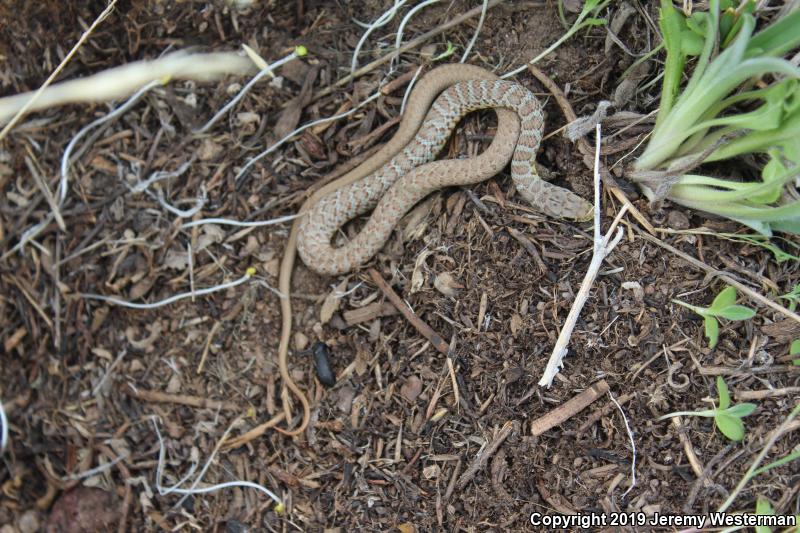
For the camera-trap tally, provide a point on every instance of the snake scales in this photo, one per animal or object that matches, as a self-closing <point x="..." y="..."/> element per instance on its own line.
<point x="403" y="172"/>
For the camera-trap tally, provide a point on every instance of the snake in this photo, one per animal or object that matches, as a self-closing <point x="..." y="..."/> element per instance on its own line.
<point x="404" y="170"/>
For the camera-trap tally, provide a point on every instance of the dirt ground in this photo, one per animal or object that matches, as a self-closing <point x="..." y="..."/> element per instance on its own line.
<point x="397" y="442"/>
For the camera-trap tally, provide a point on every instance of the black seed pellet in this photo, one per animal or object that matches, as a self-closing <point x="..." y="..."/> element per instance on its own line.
<point x="322" y="364"/>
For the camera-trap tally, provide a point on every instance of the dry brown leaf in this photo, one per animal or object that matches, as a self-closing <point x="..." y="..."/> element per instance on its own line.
<point x="418" y="276"/>
<point x="446" y="284"/>
<point x="431" y="471"/>
<point x="146" y="343"/>
<point x="482" y="309"/>
<point x="99" y="316"/>
<point x="516" y="324"/>
<point x="211" y="234"/>
<point x="176" y="260"/>
<point x="290" y="115"/>
<point x="332" y="302"/>
<point x="209" y="150"/>
<point x="407" y="527"/>
<point x="415" y="223"/>
<point x="412" y="388"/>
<point x="142" y="287"/>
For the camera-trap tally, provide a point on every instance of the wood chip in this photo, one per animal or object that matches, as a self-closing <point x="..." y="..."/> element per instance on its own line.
<point x="369" y="312"/>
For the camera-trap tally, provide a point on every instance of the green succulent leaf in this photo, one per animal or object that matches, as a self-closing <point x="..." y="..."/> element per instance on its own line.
<point x="763" y="508"/>
<point x="741" y="410"/>
<point x="730" y="426"/>
<point x="673" y="27"/>
<point x="771" y="174"/>
<point x="731" y="20"/>
<point x="726" y="297"/>
<point x="776" y="39"/>
<point x="736" y="312"/>
<point x="723" y="394"/>
<point x="712" y="330"/>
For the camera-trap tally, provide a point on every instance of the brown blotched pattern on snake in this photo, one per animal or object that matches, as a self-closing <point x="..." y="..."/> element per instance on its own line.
<point x="412" y="174"/>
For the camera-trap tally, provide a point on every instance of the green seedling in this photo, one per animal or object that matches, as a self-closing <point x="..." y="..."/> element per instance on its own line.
<point x="727" y="417"/>
<point x="450" y="50"/>
<point x="723" y="306"/>
<point x="743" y="98"/>
<point x="754" y="470"/>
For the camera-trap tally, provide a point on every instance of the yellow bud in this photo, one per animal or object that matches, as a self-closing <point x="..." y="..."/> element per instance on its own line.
<point x="250" y="272"/>
<point x="300" y="50"/>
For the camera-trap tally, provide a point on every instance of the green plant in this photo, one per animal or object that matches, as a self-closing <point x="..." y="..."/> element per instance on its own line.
<point x="723" y="306"/>
<point x="734" y="67"/>
<point x="450" y="50"/>
<point x="754" y="470"/>
<point x="727" y="418"/>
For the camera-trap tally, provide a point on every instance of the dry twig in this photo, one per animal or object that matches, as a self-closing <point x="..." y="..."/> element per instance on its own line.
<point x="568" y="409"/>
<point x="425" y="330"/>
<point x="485" y="454"/>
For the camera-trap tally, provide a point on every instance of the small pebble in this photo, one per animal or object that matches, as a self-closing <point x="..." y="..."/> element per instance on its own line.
<point x="677" y="220"/>
<point x="300" y="341"/>
<point x="345" y="398"/>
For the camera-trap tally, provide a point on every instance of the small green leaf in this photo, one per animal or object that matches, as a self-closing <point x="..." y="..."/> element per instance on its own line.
<point x="730" y="426"/>
<point x="723" y="394"/>
<point x="697" y="23"/>
<point x="772" y="170"/>
<point x="763" y="508"/>
<point x="712" y="330"/>
<point x="735" y="312"/>
<point x="724" y="299"/>
<point x="740" y="410"/>
<point x="794" y="348"/>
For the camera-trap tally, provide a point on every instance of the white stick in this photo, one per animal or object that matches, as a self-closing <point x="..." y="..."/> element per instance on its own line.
<point x="602" y="247"/>
<point x="121" y="81"/>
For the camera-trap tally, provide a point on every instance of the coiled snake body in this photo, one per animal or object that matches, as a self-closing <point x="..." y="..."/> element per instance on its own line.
<point x="403" y="172"/>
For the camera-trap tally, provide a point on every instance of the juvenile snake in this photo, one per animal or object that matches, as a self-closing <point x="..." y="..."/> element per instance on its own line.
<point x="403" y="172"/>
